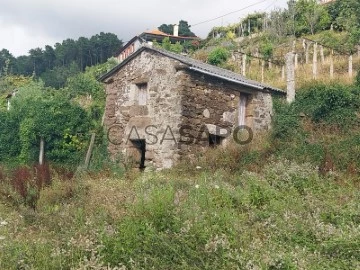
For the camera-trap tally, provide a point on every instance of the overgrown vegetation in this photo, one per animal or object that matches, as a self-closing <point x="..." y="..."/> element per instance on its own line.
<point x="321" y="127"/>
<point x="289" y="200"/>
<point x="218" y="56"/>
<point x="284" y="217"/>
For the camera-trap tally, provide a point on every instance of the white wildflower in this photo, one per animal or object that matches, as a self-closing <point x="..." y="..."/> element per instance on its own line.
<point x="3" y="223"/>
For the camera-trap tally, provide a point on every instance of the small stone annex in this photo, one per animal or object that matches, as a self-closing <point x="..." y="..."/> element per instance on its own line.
<point x="162" y="106"/>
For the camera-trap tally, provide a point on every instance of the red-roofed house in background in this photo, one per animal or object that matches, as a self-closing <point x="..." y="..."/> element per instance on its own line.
<point x="148" y="37"/>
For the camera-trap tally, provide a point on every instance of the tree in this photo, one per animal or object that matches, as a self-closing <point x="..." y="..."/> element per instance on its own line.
<point x="83" y="52"/>
<point x="49" y="57"/>
<point x="36" y="56"/>
<point x="44" y="113"/>
<point x="167" y="28"/>
<point x="7" y="61"/>
<point x="184" y="29"/>
<point x="266" y="48"/>
<point x="310" y="17"/>
<point x="347" y="11"/>
<point x="58" y="76"/>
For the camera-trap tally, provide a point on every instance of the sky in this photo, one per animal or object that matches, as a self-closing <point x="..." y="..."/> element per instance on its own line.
<point x="27" y="24"/>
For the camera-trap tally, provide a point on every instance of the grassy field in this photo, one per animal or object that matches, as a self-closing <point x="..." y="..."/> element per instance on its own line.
<point x="286" y="216"/>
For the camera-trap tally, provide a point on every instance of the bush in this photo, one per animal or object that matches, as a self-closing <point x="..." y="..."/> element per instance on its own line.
<point x="218" y="56"/>
<point x="286" y="120"/>
<point x="331" y="104"/>
<point x="357" y="79"/>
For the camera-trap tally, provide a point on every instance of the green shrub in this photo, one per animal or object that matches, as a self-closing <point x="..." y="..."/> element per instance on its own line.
<point x="357" y="79"/>
<point x="332" y="104"/>
<point x="286" y="120"/>
<point x="218" y="56"/>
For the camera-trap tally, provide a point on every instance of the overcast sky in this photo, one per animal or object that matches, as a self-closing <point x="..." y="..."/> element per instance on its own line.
<point x="27" y="24"/>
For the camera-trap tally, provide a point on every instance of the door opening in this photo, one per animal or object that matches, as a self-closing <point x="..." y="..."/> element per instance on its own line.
<point x="140" y="145"/>
<point x="215" y="140"/>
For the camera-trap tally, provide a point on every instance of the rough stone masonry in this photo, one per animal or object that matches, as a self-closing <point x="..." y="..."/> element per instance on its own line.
<point x="158" y="110"/>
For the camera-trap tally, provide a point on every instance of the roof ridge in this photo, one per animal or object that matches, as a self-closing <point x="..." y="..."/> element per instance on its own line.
<point x="211" y="68"/>
<point x="198" y="66"/>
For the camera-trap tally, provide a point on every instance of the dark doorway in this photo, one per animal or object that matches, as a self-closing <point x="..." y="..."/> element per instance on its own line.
<point x="215" y="140"/>
<point x="140" y="145"/>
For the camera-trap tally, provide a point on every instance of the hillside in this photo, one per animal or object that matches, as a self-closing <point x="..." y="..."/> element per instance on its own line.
<point x="287" y="200"/>
<point x="324" y="38"/>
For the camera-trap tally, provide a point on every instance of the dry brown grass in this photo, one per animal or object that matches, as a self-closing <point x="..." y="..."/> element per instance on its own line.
<point x="304" y="72"/>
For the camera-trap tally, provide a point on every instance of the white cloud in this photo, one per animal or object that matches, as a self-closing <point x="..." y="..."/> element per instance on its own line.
<point x="28" y="24"/>
<point x="18" y="40"/>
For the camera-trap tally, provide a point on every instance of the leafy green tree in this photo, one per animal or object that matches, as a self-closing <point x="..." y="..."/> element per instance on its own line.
<point x="310" y="17"/>
<point x="37" y="59"/>
<point x="44" y="113"/>
<point x="184" y="29"/>
<point x="58" y="76"/>
<point x="49" y="57"/>
<point x="347" y="14"/>
<point x="7" y="61"/>
<point x="167" y="28"/>
<point x="9" y="137"/>
<point x="266" y="48"/>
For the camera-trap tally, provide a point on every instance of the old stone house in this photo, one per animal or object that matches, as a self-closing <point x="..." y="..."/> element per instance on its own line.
<point x="161" y="106"/>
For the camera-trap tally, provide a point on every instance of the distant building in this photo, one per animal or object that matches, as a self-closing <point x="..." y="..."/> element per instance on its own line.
<point x="148" y="37"/>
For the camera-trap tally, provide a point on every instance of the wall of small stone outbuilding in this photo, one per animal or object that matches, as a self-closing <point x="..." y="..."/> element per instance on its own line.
<point x="215" y="103"/>
<point x="157" y="121"/>
<point x="176" y="98"/>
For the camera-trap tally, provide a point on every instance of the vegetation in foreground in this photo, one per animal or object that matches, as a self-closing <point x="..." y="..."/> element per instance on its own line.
<point x="288" y="201"/>
<point x="286" y="216"/>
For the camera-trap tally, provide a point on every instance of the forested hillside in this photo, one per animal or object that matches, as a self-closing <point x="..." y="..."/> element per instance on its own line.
<point x="54" y="64"/>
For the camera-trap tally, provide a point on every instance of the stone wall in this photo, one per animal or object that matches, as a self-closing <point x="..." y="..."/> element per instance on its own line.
<point x="157" y="121"/>
<point x="213" y="103"/>
<point x="176" y="98"/>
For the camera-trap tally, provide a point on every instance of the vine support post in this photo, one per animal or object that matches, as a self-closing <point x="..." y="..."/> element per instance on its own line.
<point x="290" y="77"/>
<point x="244" y="64"/>
<point x="322" y="54"/>
<point x="315" y="71"/>
<point x="332" y="64"/>
<point x="283" y="73"/>
<point x="350" y="65"/>
<point x="90" y="149"/>
<point x="42" y="151"/>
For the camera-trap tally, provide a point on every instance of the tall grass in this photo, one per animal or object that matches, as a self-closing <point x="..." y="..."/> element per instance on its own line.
<point x="286" y="216"/>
